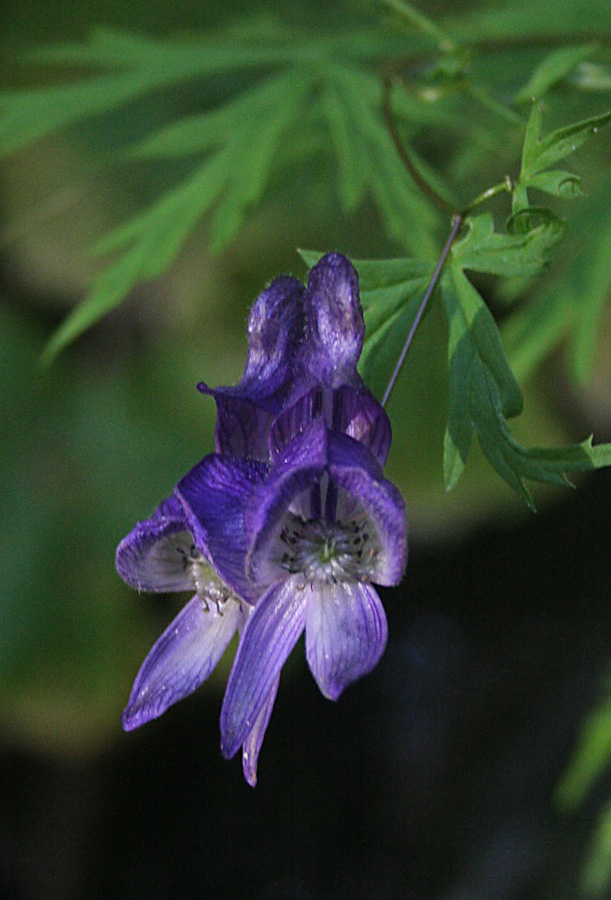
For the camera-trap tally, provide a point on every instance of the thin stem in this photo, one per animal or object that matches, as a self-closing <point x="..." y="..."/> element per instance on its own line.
<point x="457" y="221"/>
<point x="424" y="186"/>
<point x="506" y="185"/>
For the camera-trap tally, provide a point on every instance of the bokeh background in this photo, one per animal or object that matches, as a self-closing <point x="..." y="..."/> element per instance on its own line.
<point x="436" y="776"/>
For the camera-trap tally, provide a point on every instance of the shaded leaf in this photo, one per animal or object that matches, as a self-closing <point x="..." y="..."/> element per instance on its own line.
<point x="483" y="249"/>
<point x="540" y="153"/>
<point x="478" y="402"/>
<point x="552" y="69"/>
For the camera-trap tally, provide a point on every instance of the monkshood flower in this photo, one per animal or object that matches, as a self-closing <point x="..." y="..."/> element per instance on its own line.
<point x="304" y="345"/>
<point x="313" y="532"/>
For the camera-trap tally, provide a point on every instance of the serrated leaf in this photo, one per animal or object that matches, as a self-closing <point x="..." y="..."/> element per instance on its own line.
<point x="571" y="306"/>
<point x="552" y="69"/>
<point x="233" y="178"/>
<point x="540" y="153"/>
<point x="483" y="249"/>
<point x="476" y="403"/>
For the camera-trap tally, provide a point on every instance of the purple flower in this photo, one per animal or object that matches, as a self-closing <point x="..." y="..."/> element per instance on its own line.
<point x="320" y="526"/>
<point x="285" y="527"/>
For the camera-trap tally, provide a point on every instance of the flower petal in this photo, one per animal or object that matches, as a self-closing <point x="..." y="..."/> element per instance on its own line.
<point x="252" y="745"/>
<point x="275" y="329"/>
<point x="346" y="632"/>
<point x="151" y="557"/>
<point x="182" y="658"/>
<point x="335" y="328"/>
<point x="214" y="495"/>
<point x="364" y="489"/>
<point x="271" y="632"/>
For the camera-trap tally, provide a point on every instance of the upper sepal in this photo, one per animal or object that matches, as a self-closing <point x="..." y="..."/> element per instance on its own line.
<point x="334" y="323"/>
<point x="275" y="331"/>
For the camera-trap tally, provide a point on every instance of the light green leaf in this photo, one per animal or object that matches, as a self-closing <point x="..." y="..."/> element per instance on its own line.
<point x="351" y="157"/>
<point x="540" y="153"/>
<point x="592" y="77"/>
<point x="552" y="69"/>
<point x="558" y="183"/>
<point x="482" y="249"/>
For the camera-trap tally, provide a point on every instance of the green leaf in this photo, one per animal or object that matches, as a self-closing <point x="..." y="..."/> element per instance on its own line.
<point x="558" y="183"/>
<point x="351" y="156"/>
<point x="592" y="77"/>
<point x="483" y="393"/>
<point x="589" y="760"/>
<point x="571" y="306"/>
<point x="552" y="69"/>
<point x="234" y="178"/>
<point x="482" y="249"/>
<point x="596" y="875"/>
<point x="399" y="201"/>
<point x="540" y="153"/>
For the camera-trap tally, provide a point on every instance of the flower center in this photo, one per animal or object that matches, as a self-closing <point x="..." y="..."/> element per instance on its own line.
<point x="209" y="587"/>
<point x="328" y="551"/>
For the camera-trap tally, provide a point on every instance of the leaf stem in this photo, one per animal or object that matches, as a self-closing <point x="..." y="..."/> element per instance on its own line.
<point x="457" y="220"/>
<point x="505" y="185"/>
<point x="424" y="186"/>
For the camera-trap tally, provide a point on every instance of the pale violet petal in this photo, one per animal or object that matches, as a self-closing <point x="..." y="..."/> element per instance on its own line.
<point x="271" y="632"/>
<point x="346" y="633"/>
<point x="182" y="658"/>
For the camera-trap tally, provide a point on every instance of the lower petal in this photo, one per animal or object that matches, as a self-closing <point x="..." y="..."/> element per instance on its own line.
<point x="182" y="658"/>
<point x="271" y="632"/>
<point x="346" y="632"/>
<point x="252" y="744"/>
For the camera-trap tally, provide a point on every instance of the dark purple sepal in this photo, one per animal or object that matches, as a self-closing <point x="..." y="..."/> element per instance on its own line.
<point x="346" y="634"/>
<point x="271" y="632"/>
<point x="150" y="557"/>
<point x="182" y="658"/>
<point x="358" y="476"/>
<point x="351" y="410"/>
<point x="275" y="332"/>
<point x="334" y="326"/>
<point x="214" y="495"/>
